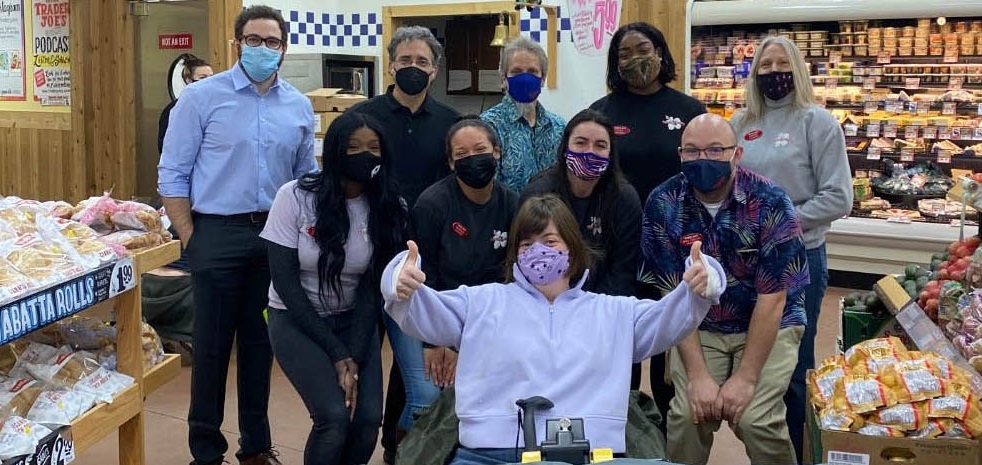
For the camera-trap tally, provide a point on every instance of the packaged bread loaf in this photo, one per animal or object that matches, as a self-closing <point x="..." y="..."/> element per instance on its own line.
<point x="45" y="260"/>
<point x="135" y="239"/>
<point x="19" y="436"/>
<point x="80" y="371"/>
<point x="13" y="283"/>
<point x="17" y="395"/>
<point x="59" y="407"/>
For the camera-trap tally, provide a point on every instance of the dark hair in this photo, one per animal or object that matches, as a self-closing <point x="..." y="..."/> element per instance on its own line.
<point x="532" y="218"/>
<point x="191" y="63"/>
<point x="409" y="33"/>
<point x="607" y="193"/>
<point x="387" y="217"/>
<point x="471" y="121"/>
<point x="260" y="12"/>
<point x="667" y="74"/>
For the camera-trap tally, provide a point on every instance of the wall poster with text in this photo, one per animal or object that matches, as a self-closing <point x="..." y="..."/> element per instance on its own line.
<point x="12" y="77"/>
<point x="594" y="23"/>
<point x="52" y="72"/>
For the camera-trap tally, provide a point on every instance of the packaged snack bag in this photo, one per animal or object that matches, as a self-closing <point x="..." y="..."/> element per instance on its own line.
<point x="862" y="394"/>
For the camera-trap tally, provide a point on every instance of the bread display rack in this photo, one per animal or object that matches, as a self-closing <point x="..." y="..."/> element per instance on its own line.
<point x="120" y="284"/>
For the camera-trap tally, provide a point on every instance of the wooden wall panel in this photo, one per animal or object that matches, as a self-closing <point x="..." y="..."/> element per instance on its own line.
<point x="669" y="16"/>
<point x="104" y="96"/>
<point x="34" y="164"/>
<point x="221" y="25"/>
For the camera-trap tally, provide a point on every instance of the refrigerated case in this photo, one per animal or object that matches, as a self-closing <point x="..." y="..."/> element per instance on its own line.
<point x="862" y="87"/>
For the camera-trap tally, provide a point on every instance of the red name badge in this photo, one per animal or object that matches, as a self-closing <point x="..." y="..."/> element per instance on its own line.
<point x="459" y="229"/>
<point x="753" y="135"/>
<point x="689" y="239"/>
<point x="621" y="130"/>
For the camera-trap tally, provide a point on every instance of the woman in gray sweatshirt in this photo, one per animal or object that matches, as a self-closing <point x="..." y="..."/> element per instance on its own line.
<point x="787" y="137"/>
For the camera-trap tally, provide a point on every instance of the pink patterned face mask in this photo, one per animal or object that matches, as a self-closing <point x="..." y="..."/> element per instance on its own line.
<point x="542" y="264"/>
<point x="587" y="166"/>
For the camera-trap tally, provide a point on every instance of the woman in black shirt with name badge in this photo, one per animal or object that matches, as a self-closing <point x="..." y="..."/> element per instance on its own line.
<point x="461" y="224"/>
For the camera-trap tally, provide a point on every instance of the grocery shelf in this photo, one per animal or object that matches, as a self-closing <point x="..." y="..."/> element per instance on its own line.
<point x="104" y="419"/>
<point x="161" y="374"/>
<point x="156" y="257"/>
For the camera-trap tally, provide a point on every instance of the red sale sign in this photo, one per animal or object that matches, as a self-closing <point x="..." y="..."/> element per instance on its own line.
<point x="174" y="41"/>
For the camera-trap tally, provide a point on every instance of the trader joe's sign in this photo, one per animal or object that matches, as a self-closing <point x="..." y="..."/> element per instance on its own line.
<point x="52" y="77"/>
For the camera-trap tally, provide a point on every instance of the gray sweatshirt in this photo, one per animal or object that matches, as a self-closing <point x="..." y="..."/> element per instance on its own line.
<point x="804" y="152"/>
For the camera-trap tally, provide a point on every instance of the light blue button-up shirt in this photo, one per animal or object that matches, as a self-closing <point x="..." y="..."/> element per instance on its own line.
<point x="230" y="149"/>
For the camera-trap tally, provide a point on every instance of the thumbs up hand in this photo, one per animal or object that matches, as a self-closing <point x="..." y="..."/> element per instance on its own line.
<point x="697" y="276"/>
<point x="410" y="276"/>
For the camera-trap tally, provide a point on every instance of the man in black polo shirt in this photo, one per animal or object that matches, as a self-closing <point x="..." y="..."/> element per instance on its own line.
<point x="416" y="126"/>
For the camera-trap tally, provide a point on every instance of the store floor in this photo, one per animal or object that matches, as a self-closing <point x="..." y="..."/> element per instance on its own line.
<point x="166" y="414"/>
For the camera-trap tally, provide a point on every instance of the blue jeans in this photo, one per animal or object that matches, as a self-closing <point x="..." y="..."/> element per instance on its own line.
<point x="408" y="352"/>
<point x="797" y="395"/>
<point x="465" y="456"/>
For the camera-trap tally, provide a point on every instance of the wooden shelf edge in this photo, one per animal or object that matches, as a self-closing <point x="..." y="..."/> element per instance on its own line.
<point x="161" y="374"/>
<point x="105" y="419"/>
<point x="156" y="257"/>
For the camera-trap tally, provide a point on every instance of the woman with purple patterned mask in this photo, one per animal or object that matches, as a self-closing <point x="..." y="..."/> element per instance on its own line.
<point x="542" y="334"/>
<point x="607" y="210"/>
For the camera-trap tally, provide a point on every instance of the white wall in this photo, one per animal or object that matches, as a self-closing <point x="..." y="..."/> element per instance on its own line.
<point x="581" y="78"/>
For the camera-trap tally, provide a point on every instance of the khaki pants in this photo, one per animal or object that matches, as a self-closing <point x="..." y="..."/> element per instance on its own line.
<point x="762" y="427"/>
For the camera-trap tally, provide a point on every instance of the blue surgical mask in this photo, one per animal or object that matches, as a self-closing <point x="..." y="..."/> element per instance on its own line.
<point x="259" y="62"/>
<point x="525" y="87"/>
<point x="707" y="175"/>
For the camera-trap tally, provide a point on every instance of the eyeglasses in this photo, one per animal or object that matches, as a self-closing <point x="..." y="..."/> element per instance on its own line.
<point x="272" y="43"/>
<point x="712" y="153"/>
<point x="423" y="63"/>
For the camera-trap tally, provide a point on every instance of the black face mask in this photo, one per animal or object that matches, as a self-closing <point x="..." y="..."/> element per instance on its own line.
<point x="776" y="85"/>
<point x="476" y="170"/>
<point x="412" y="80"/>
<point x="361" y="167"/>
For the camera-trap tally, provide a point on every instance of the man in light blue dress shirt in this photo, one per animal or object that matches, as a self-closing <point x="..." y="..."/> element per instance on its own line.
<point x="233" y="140"/>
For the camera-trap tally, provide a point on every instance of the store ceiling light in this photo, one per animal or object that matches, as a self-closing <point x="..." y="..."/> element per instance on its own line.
<point x="942" y="20"/>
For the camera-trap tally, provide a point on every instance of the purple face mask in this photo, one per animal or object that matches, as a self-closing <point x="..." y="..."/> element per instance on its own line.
<point x="542" y="264"/>
<point x="586" y="165"/>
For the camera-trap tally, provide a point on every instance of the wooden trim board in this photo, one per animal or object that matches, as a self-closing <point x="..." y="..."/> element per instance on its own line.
<point x="161" y="374"/>
<point x="156" y="257"/>
<point x="61" y="121"/>
<point x="104" y="419"/>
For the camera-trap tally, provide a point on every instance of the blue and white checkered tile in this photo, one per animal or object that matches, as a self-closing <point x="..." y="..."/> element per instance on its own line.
<point x="534" y="25"/>
<point x="334" y="29"/>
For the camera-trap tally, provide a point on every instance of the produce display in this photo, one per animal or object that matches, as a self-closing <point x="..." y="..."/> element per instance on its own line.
<point x="879" y="388"/>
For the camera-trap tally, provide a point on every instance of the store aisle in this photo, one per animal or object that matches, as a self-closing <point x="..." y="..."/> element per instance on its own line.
<point x="167" y="413"/>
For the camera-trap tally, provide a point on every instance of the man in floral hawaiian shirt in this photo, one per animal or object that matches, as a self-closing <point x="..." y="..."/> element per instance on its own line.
<point x="738" y="365"/>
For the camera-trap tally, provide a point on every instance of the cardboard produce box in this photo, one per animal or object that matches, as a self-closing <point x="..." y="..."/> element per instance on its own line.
<point x="840" y="448"/>
<point x="331" y="100"/>
<point x="323" y="120"/>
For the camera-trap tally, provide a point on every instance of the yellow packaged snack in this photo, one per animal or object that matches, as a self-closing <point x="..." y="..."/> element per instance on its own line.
<point x="821" y="383"/>
<point x="862" y="394"/>
<point x="872" y="429"/>
<point x="955" y="403"/>
<point x="835" y="419"/>
<point x="870" y="356"/>
<point x="911" y="380"/>
<point x="933" y="429"/>
<point x="908" y="417"/>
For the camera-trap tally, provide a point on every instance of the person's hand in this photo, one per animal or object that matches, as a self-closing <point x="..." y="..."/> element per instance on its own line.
<point x="736" y="394"/>
<point x="347" y="371"/>
<point x="703" y="395"/>
<point x="449" y="366"/>
<point x="410" y="278"/>
<point x="433" y="364"/>
<point x="697" y="277"/>
<point x="185" y="237"/>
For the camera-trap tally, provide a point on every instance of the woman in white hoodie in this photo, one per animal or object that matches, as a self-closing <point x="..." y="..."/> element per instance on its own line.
<point x="542" y="335"/>
<point x="790" y="139"/>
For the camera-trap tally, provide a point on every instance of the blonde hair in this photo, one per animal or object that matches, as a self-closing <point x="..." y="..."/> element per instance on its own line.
<point x="804" y="93"/>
